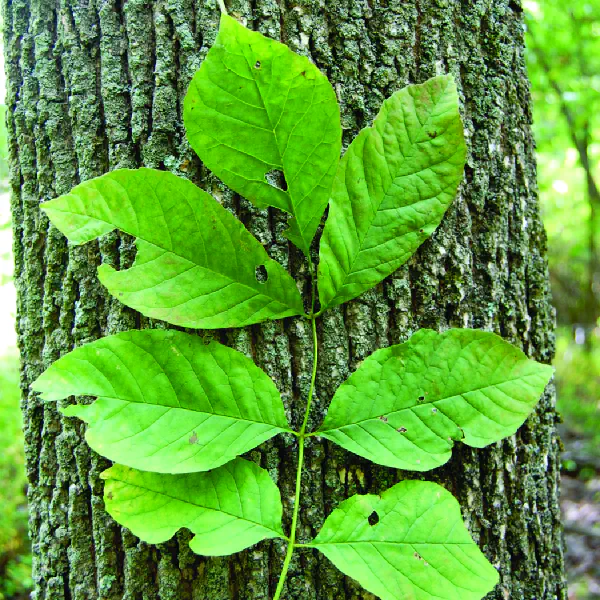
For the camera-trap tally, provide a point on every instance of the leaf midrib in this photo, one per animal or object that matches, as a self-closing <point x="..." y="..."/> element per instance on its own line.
<point x="409" y="579"/>
<point x="141" y="487"/>
<point x="371" y="130"/>
<point x="281" y="154"/>
<point x="386" y="543"/>
<point x="169" y="408"/>
<point x="181" y="257"/>
<point x="434" y="402"/>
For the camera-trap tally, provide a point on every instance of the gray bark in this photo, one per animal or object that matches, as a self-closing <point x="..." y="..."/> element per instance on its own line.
<point x="98" y="84"/>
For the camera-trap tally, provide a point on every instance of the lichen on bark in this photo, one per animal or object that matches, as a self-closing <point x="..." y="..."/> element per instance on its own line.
<point x="94" y="86"/>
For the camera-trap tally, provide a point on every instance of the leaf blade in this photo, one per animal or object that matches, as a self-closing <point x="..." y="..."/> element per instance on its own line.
<point x="419" y="548"/>
<point x="392" y="188"/>
<point x="406" y="405"/>
<point x="255" y="107"/>
<point x="196" y="263"/>
<point x="167" y="402"/>
<point x="228" y="509"/>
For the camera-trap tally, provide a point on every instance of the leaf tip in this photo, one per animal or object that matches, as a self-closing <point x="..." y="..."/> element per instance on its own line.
<point x="547" y="370"/>
<point x="69" y="411"/>
<point x="105" y="271"/>
<point x="50" y="205"/>
<point x="43" y="386"/>
<point x="107" y="474"/>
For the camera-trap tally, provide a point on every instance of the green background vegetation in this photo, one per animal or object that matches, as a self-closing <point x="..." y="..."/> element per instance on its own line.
<point x="15" y="559"/>
<point x="564" y="65"/>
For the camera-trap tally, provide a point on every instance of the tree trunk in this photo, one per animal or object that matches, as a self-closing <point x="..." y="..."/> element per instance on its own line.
<point x="98" y="84"/>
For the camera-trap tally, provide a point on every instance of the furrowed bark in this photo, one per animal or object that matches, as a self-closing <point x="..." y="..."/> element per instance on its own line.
<point x="94" y="86"/>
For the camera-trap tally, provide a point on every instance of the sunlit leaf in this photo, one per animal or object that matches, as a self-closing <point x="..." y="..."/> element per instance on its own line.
<point x="392" y="189"/>
<point x="167" y="402"/>
<point x="256" y="110"/>
<point x="196" y="263"/>
<point x="229" y="509"/>
<point x="408" y="543"/>
<point x="406" y="405"/>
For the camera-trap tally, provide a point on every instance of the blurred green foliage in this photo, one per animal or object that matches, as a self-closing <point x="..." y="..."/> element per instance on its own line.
<point x="578" y="383"/>
<point x="15" y="559"/>
<point x="3" y="149"/>
<point x="563" y="51"/>
<point x="563" y="40"/>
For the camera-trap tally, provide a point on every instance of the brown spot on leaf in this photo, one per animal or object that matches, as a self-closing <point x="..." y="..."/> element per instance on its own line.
<point x="193" y="438"/>
<point x="383" y="418"/>
<point x="401" y="430"/>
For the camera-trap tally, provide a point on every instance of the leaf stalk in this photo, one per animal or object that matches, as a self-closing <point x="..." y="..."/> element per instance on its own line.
<point x="301" y="438"/>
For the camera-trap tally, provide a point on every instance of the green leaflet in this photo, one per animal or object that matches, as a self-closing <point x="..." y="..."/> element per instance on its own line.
<point x="255" y="107"/>
<point x="196" y="263"/>
<point x="167" y="402"/>
<point x="419" y="548"/>
<point x="229" y="509"/>
<point x="392" y="189"/>
<point x="406" y="404"/>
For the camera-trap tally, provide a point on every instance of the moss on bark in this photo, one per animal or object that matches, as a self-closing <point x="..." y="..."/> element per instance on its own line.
<point x="97" y="85"/>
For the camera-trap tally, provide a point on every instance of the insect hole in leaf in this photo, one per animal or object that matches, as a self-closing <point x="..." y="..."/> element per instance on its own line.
<point x="261" y="274"/>
<point x="373" y="518"/>
<point x="276" y="179"/>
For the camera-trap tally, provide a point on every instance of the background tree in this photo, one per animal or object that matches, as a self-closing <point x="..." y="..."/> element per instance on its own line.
<point x="96" y="86"/>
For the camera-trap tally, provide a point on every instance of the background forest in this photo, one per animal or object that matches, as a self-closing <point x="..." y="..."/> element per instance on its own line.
<point x="564" y="66"/>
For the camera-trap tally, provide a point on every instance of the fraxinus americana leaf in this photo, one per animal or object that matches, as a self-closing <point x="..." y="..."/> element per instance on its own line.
<point x="229" y="509"/>
<point x="406" y="405"/>
<point x="254" y="108"/>
<point x="196" y="263"/>
<point x="176" y="412"/>
<point x="167" y="402"/>
<point x="392" y="189"/>
<point x="408" y="543"/>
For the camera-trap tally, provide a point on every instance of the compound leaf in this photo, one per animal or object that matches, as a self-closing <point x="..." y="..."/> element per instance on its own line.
<point x="392" y="189"/>
<point x="407" y="404"/>
<point x="167" y="402"/>
<point x="229" y="509"/>
<point x="255" y="109"/>
<point x="410" y="542"/>
<point x="196" y="263"/>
